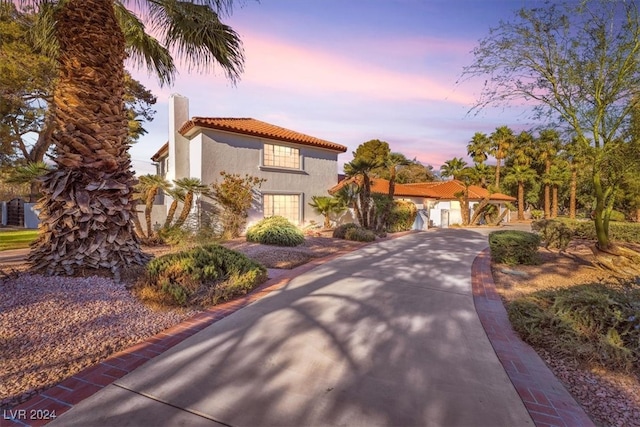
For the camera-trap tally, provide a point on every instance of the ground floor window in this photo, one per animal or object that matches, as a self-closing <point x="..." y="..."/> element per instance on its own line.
<point x="286" y="205"/>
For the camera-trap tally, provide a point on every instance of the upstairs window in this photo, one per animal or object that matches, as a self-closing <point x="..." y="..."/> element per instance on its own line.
<point x="280" y="156"/>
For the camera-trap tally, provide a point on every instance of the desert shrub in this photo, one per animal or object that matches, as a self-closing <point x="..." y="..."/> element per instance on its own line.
<point x="617" y="216"/>
<point x="592" y="323"/>
<point x="537" y="214"/>
<point x="402" y="216"/>
<point x="235" y="195"/>
<point x="514" y="247"/>
<point x="174" y="235"/>
<point x="360" y="234"/>
<point x="275" y="230"/>
<point x="341" y="230"/>
<point x="202" y="276"/>
<point x="618" y="231"/>
<point x="554" y="234"/>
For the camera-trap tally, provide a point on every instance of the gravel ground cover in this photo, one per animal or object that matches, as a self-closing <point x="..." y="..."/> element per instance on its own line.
<point x="609" y="398"/>
<point x="53" y="327"/>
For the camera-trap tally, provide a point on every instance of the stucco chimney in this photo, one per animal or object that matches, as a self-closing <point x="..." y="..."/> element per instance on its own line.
<point x="178" y="145"/>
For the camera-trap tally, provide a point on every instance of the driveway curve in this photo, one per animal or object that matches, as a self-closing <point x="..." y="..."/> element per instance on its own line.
<point x="385" y="335"/>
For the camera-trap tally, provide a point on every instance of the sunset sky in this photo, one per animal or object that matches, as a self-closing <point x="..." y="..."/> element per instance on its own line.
<point x="351" y="71"/>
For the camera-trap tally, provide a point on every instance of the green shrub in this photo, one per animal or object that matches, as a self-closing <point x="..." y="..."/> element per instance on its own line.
<point x="554" y="234"/>
<point x="617" y="216"/>
<point x="203" y="276"/>
<point x="593" y="323"/>
<point x="360" y="234"/>
<point x="403" y="215"/>
<point x="514" y="247"/>
<point x="341" y="230"/>
<point x="537" y="214"/>
<point x="275" y="230"/>
<point x="618" y="231"/>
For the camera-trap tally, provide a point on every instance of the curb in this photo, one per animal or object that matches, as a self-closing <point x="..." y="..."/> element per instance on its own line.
<point x="38" y="410"/>
<point x="547" y="400"/>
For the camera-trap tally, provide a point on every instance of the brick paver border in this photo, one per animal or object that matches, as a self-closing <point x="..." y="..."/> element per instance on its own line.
<point x="546" y="399"/>
<point x="61" y="397"/>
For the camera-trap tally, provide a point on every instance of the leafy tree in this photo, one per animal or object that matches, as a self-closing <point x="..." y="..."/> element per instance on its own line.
<point x="88" y="201"/>
<point x="520" y="175"/>
<point x="453" y="168"/>
<point x="501" y="139"/>
<point x="578" y="63"/>
<point x="374" y="151"/>
<point x="235" y="194"/>
<point x="326" y="206"/>
<point x="558" y="175"/>
<point x="415" y="172"/>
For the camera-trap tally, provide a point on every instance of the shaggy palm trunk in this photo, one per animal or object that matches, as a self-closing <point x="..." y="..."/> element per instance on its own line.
<point x="547" y="192"/>
<point x="498" y="160"/>
<point x="554" y="201"/>
<point x="171" y="213"/>
<point x="186" y="209"/>
<point x="151" y="197"/>
<point x="87" y="205"/>
<point x="520" y="201"/>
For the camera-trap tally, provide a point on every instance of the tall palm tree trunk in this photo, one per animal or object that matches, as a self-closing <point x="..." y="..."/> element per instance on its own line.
<point x="554" y="201"/>
<point x="498" y="174"/>
<point x="572" y="194"/>
<point x="547" y="191"/>
<point x="87" y="208"/>
<point x="520" y="201"/>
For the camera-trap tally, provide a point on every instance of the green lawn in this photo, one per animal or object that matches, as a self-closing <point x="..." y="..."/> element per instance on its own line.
<point x="16" y="239"/>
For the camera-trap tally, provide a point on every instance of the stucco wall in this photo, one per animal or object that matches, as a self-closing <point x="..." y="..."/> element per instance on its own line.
<point x="223" y="151"/>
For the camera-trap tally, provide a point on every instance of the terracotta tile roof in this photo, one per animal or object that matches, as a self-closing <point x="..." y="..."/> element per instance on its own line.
<point x="163" y="151"/>
<point x="431" y="190"/>
<point x="253" y="127"/>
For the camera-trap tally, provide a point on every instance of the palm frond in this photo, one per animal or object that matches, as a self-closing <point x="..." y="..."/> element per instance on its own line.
<point x="143" y="49"/>
<point x="196" y="35"/>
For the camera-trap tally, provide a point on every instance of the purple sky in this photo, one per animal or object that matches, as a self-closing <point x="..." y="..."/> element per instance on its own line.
<point x="351" y="71"/>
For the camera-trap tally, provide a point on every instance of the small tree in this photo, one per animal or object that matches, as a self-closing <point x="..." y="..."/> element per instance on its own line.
<point x="577" y="64"/>
<point x="325" y="205"/>
<point x="191" y="187"/>
<point x="235" y="195"/>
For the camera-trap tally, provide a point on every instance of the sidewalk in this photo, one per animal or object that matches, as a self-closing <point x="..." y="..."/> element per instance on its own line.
<point x="386" y="335"/>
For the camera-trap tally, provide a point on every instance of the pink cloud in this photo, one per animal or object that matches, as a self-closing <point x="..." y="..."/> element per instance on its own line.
<point x="277" y="63"/>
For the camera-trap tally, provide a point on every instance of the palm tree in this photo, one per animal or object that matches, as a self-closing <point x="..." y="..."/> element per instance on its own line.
<point x="453" y="168"/>
<point x="558" y="175"/>
<point x="362" y="168"/>
<point x="29" y="174"/>
<point x="149" y="186"/>
<point x="394" y="161"/>
<point x="88" y="205"/>
<point x="192" y="187"/>
<point x="501" y="140"/>
<point x="326" y="206"/>
<point x="479" y="147"/>
<point x="177" y="195"/>
<point x="520" y="175"/>
<point x="548" y="146"/>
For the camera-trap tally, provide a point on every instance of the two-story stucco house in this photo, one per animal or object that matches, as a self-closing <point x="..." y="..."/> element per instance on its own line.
<point x="296" y="166"/>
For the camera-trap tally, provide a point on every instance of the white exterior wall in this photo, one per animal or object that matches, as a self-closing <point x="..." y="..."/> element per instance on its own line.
<point x="179" y="159"/>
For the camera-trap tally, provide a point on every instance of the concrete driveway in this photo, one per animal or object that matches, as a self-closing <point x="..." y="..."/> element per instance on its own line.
<point x="386" y="335"/>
